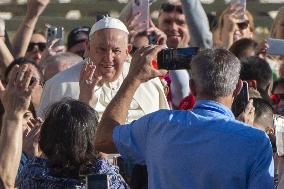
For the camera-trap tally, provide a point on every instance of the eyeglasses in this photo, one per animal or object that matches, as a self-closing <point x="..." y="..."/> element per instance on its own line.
<point x="40" y="45"/>
<point x="167" y="7"/>
<point x="243" y="25"/>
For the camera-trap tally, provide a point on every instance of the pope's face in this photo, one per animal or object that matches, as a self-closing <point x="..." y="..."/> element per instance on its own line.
<point x="109" y="50"/>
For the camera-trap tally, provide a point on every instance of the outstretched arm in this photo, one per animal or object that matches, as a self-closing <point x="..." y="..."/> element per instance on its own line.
<point x="24" y="33"/>
<point x="115" y="114"/>
<point x="16" y="100"/>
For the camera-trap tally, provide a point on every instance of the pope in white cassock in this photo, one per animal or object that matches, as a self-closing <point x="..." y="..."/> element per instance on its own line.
<point x="108" y="53"/>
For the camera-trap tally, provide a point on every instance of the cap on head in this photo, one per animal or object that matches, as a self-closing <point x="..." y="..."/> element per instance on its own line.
<point x="78" y="35"/>
<point x="108" y="23"/>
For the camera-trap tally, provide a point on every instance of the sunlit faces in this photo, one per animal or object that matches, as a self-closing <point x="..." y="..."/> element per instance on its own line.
<point x="109" y="50"/>
<point x="35" y="52"/>
<point x="173" y="24"/>
<point x="243" y="30"/>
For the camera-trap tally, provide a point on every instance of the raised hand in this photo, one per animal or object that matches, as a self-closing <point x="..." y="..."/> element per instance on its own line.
<point x="36" y="7"/>
<point x="31" y="138"/>
<point x="16" y="97"/>
<point x="141" y="68"/>
<point x="89" y="79"/>
<point x="52" y="49"/>
<point x="161" y="37"/>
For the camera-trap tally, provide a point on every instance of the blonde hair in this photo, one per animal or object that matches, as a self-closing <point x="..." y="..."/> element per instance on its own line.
<point x="276" y="21"/>
<point x="218" y="30"/>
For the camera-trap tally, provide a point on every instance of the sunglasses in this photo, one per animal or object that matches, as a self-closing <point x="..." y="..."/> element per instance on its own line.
<point x="167" y="7"/>
<point x="243" y="25"/>
<point x="40" y="45"/>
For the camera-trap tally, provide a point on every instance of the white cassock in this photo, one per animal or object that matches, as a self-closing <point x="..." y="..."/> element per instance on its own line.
<point x="148" y="98"/>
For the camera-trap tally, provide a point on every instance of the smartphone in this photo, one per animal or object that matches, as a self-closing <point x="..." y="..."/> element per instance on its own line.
<point x="276" y="46"/>
<point x="241" y="101"/>
<point x="242" y="6"/>
<point x="278" y="121"/>
<point x="176" y="59"/>
<point x="55" y="33"/>
<point x="142" y="7"/>
<point x="98" y="181"/>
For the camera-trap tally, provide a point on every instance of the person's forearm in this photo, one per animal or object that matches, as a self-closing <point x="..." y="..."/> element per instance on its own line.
<point x="114" y="115"/>
<point x="227" y="39"/>
<point x="197" y="21"/>
<point x="23" y="36"/>
<point x="5" y="56"/>
<point x="10" y="148"/>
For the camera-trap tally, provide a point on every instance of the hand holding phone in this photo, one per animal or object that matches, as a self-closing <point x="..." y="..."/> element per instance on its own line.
<point x="240" y="6"/>
<point x="142" y="7"/>
<point x="55" y="33"/>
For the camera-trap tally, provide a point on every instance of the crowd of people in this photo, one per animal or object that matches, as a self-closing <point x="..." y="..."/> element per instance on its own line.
<point x="99" y="106"/>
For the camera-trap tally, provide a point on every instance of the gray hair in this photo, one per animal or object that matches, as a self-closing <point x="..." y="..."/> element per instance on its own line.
<point x="67" y="57"/>
<point x="215" y="72"/>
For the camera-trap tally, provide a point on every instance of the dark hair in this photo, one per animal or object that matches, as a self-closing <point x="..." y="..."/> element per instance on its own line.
<point x="238" y="47"/>
<point x="255" y="68"/>
<point x="215" y="72"/>
<point x="67" y="137"/>
<point x="22" y="61"/>
<point x="263" y="112"/>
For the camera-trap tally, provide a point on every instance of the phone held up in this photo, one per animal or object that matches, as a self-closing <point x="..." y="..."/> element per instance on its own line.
<point x="241" y="101"/>
<point x="176" y="59"/>
<point x="240" y="10"/>
<point x="54" y="32"/>
<point x="98" y="181"/>
<point x="276" y="46"/>
<point x="142" y="7"/>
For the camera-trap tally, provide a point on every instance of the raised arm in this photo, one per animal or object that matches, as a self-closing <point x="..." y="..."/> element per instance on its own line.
<point x="24" y="33"/>
<point x="140" y="71"/>
<point x="200" y="34"/>
<point x="5" y="55"/>
<point x="16" y="100"/>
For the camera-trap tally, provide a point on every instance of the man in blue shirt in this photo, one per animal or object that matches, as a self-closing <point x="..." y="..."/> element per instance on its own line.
<point x="205" y="148"/>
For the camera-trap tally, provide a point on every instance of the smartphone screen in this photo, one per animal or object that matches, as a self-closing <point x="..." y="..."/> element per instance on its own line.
<point x="276" y="46"/>
<point x="241" y="101"/>
<point x="98" y="181"/>
<point x="176" y="59"/>
<point x="142" y="7"/>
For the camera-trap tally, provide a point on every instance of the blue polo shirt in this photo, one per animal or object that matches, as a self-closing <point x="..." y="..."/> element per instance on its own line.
<point x="205" y="148"/>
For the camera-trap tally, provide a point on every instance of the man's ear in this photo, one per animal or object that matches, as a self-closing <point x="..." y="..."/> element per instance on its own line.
<point x="192" y="87"/>
<point x="129" y="48"/>
<point x="268" y="89"/>
<point x="238" y="88"/>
